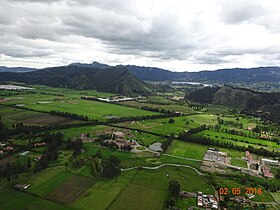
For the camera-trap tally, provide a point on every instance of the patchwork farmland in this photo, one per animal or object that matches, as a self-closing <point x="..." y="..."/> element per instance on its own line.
<point x="95" y="163"/>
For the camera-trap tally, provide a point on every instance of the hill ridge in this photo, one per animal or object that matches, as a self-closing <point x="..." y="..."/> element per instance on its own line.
<point x="116" y="79"/>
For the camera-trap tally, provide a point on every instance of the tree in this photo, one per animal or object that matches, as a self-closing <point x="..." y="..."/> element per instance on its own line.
<point x="171" y="121"/>
<point x="174" y="188"/>
<point x="28" y="163"/>
<point x="170" y="202"/>
<point x="93" y="168"/>
<point x="111" y="168"/>
<point x="1" y="125"/>
<point x="243" y="180"/>
<point x="278" y="174"/>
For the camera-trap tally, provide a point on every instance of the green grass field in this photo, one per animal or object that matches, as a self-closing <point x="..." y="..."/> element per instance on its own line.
<point x="187" y="149"/>
<point x="175" y="160"/>
<point x="174" y="107"/>
<point x="233" y="153"/>
<point x="69" y="92"/>
<point x="184" y="203"/>
<point x="151" y="187"/>
<point x="161" y="126"/>
<point x="238" y="162"/>
<point x="276" y="196"/>
<point x="92" y="109"/>
<point x="158" y="179"/>
<point x="15" y="200"/>
<point x="104" y="192"/>
<point x="200" y="119"/>
<point x="76" y="132"/>
<point x="139" y="197"/>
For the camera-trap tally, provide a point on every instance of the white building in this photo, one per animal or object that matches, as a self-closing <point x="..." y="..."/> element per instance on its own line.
<point x="270" y="162"/>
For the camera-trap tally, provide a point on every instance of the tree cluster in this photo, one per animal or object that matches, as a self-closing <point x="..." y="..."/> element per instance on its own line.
<point x="11" y="170"/>
<point x="111" y="168"/>
<point x="51" y="154"/>
<point x="70" y="115"/>
<point x="173" y="193"/>
<point x="135" y="118"/>
<point x="167" y="142"/>
<point x="229" y="123"/>
<point x="196" y="107"/>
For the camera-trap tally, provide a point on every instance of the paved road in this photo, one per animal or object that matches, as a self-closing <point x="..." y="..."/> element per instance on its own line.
<point x="162" y="165"/>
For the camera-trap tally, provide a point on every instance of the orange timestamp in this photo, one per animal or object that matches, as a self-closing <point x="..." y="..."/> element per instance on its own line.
<point x="238" y="191"/>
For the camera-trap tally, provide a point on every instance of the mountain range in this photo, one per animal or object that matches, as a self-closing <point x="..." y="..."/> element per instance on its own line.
<point x="222" y="76"/>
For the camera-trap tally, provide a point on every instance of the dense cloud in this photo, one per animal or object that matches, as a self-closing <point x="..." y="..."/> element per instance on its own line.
<point x="178" y="35"/>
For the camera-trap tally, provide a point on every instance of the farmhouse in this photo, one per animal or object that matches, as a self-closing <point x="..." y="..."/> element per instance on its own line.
<point x="125" y="143"/>
<point x="118" y="140"/>
<point x="120" y="144"/>
<point x="250" y="158"/>
<point x="118" y="134"/>
<point x="266" y="171"/>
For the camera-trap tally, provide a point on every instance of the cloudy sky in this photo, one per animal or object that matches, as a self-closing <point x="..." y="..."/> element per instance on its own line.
<point x="180" y="35"/>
